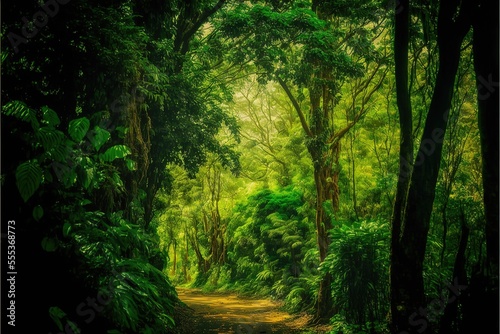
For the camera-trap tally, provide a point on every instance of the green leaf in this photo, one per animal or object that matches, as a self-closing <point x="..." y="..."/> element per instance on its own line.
<point x="115" y="152"/>
<point x="122" y="131"/>
<point x="66" y="229"/>
<point x="57" y="315"/>
<point x="75" y="329"/>
<point x="38" y="212"/>
<point x="60" y="152"/>
<point x="21" y="111"/>
<point x="99" y="137"/>
<point x="49" y="244"/>
<point x="49" y="137"/>
<point x="69" y="178"/>
<point x="130" y="164"/>
<point x="50" y="117"/>
<point x="85" y="202"/>
<point x="88" y="176"/>
<point x="47" y="176"/>
<point x="28" y="178"/>
<point x="78" y="128"/>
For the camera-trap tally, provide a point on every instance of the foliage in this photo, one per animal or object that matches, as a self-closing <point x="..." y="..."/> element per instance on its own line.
<point x="358" y="263"/>
<point x="270" y="238"/>
<point x="109" y="253"/>
<point x="341" y="326"/>
<point x="152" y="100"/>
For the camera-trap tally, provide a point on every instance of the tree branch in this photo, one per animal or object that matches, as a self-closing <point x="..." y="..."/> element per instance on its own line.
<point x="185" y="30"/>
<point x="295" y="105"/>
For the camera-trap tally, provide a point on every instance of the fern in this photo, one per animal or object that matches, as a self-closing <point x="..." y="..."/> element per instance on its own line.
<point x="357" y="263"/>
<point x="265" y="275"/>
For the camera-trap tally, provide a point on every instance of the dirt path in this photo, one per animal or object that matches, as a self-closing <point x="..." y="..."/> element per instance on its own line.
<point x="230" y="314"/>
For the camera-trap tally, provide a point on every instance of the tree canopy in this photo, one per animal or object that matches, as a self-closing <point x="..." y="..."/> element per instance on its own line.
<point x="340" y="157"/>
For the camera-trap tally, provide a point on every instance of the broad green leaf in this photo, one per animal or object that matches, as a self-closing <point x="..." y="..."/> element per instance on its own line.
<point x="88" y="176"/>
<point x="47" y="176"/>
<point x="85" y="202"/>
<point x="21" y="111"/>
<point x="122" y="131"/>
<point x="38" y="212"/>
<point x="28" y="178"/>
<point x="49" y="244"/>
<point x="49" y="137"/>
<point x="78" y="128"/>
<point x="99" y="137"/>
<point x="50" y="116"/>
<point x="66" y="174"/>
<point x="60" y="152"/>
<point x="69" y="178"/>
<point x="115" y="152"/>
<point x="130" y="164"/>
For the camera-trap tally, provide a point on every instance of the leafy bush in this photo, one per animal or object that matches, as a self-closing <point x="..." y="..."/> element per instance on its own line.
<point x="80" y="172"/>
<point x="358" y="262"/>
<point x="271" y="239"/>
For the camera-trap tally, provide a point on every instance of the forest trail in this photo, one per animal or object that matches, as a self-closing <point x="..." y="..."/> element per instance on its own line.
<point x="230" y="314"/>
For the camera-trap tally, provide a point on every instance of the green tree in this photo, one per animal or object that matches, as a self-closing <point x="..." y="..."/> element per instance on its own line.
<point x="184" y="95"/>
<point x="416" y="189"/>
<point x="92" y="252"/>
<point x="301" y="49"/>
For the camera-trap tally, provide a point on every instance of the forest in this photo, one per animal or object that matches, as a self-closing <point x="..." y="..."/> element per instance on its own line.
<point x="338" y="159"/>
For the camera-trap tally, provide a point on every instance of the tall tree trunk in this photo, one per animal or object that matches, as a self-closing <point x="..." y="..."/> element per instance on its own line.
<point x="449" y="322"/>
<point x="483" y="287"/>
<point x="324" y="303"/>
<point x="408" y="246"/>
<point x="185" y="257"/>
<point x="486" y="67"/>
<point x="216" y="230"/>
<point x="353" y="171"/>
<point x="326" y="181"/>
<point x="174" y="266"/>
<point x="401" y="42"/>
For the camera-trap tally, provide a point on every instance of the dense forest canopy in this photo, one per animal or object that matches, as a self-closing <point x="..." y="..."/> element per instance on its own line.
<point x="338" y="156"/>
